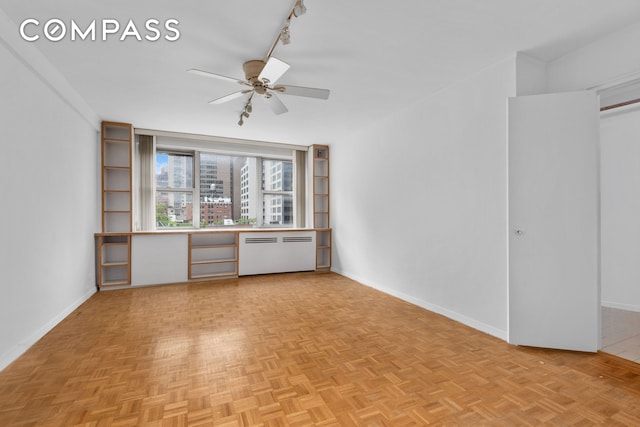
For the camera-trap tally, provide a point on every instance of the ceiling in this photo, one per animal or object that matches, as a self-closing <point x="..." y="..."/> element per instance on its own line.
<point x="376" y="57"/>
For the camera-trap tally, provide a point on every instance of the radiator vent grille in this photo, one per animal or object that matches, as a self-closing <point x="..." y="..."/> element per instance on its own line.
<point x="297" y="239"/>
<point x="252" y="240"/>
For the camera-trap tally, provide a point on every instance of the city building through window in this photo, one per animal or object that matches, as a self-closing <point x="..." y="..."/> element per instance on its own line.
<point x="196" y="187"/>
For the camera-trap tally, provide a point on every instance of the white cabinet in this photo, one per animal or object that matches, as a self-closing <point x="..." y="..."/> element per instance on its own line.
<point x="141" y="259"/>
<point x="159" y="258"/>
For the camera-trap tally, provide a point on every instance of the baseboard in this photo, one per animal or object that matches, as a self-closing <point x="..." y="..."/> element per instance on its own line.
<point x="620" y="306"/>
<point x="482" y="327"/>
<point x="16" y="351"/>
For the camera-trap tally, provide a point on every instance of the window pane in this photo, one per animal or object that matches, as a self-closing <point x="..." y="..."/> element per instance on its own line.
<point x="277" y="209"/>
<point x="174" y="170"/>
<point x="174" y="209"/>
<point x="221" y="190"/>
<point x="277" y="175"/>
<point x="249" y="192"/>
<point x="231" y="191"/>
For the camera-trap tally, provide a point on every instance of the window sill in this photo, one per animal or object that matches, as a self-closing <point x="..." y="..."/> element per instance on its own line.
<point x="185" y="230"/>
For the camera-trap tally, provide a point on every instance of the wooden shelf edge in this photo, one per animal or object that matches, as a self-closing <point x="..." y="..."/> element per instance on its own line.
<point x="114" y="283"/>
<point x="115" y="264"/>
<point x="223" y="261"/>
<point x="213" y="276"/>
<point x="117" y="140"/>
<point x="212" y="246"/>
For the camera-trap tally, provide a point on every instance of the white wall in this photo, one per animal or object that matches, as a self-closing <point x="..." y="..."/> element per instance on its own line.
<point x="608" y="60"/>
<point x="419" y="199"/>
<point x="419" y="205"/>
<point x="48" y="183"/>
<point x="620" y="177"/>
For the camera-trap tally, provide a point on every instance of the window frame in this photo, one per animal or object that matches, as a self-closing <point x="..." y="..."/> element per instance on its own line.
<point x="268" y="192"/>
<point x="189" y="190"/>
<point x="195" y="145"/>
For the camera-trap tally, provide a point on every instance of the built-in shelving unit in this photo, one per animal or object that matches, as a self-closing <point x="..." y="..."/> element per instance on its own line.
<point x="116" y="177"/>
<point x="321" y="212"/>
<point x="213" y="255"/>
<point x="323" y="249"/>
<point x="114" y="260"/>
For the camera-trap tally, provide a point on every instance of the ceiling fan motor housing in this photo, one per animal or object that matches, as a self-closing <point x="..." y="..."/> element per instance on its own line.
<point x="252" y="70"/>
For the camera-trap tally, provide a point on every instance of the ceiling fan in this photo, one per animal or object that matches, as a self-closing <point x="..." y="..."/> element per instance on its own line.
<point x="261" y="78"/>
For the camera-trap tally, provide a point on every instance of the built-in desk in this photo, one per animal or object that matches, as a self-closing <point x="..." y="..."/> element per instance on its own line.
<point x="185" y="255"/>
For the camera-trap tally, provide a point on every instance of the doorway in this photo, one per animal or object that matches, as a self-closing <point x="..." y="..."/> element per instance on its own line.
<point x="620" y="231"/>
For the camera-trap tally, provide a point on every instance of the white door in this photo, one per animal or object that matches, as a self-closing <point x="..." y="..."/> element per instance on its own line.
<point x="554" y="284"/>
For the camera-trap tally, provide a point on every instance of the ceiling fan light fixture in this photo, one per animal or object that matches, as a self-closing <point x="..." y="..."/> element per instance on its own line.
<point x="261" y="76"/>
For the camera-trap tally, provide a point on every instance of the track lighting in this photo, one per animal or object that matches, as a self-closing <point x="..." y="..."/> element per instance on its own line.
<point x="285" y="35"/>
<point x="299" y="9"/>
<point x="246" y="111"/>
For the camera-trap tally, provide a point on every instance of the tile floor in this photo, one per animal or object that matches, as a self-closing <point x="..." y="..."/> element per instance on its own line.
<point x="621" y="333"/>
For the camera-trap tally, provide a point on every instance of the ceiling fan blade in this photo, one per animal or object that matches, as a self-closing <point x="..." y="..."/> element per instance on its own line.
<point x="230" y="97"/>
<point x="273" y="70"/>
<point x="275" y="104"/>
<point x="217" y="76"/>
<point x="309" y="92"/>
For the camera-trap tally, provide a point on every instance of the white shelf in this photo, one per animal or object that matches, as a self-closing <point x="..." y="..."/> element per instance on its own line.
<point x="115" y="264"/>
<point x="116" y="177"/>
<point x="210" y="270"/>
<point x="116" y="131"/>
<point x="220" y="261"/>
<point x="213" y="255"/>
<point x="117" y="222"/>
<point x="114" y="260"/>
<point x="321" y="206"/>
<point x="117" y="200"/>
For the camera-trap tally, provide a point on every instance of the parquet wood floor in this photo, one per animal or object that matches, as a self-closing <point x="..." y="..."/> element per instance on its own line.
<point x="298" y="350"/>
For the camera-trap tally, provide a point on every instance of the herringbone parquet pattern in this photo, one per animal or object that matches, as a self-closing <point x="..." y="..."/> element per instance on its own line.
<point x="298" y="350"/>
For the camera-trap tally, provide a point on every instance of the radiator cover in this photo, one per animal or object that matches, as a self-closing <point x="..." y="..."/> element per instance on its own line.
<point x="276" y="252"/>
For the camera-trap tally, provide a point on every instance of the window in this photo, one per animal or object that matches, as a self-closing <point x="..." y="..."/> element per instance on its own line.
<point x="277" y="194"/>
<point x="197" y="186"/>
<point x="174" y="189"/>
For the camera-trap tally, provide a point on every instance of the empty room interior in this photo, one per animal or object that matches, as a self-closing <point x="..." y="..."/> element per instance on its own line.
<point x="306" y="212"/>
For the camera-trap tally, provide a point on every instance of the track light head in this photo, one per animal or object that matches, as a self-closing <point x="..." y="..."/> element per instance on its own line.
<point x="299" y="9"/>
<point x="285" y="35"/>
